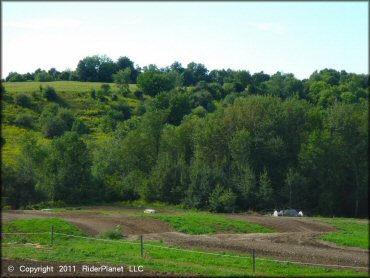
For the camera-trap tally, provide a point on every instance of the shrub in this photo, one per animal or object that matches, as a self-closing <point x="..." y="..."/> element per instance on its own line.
<point x="23" y="100"/>
<point x="123" y="108"/>
<point x="138" y="94"/>
<point x="107" y="123"/>
<point x="139" y="110"/>
<point x="50" y="93"/>
<point x="51" y="109"/>
<point x="113" y="234"/>
<point x="24" y="120"/>
<point x="53" y="127"/>
<point x="79" y="127"/>
<point x="105" y="88"/>
<point x="102" y="96"/>
<point x="66" y="116"/>
<point x="36" y="95"/>
<point x="199" y="111"/>
<point x="93" y="93"/>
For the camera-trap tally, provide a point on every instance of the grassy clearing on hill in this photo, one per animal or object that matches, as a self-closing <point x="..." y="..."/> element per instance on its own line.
<point x="128" y="253"/>
<point x="350" y="232"/>
<point x="59" y="86"/>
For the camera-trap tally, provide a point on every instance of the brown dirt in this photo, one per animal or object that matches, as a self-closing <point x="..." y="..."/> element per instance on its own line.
<point x="285" y="224"/>
<point x="93" y="223"/>
<point x="294" y="239"/>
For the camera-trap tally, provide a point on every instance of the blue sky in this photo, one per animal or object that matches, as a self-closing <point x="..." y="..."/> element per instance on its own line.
<point x="293" y="37"/>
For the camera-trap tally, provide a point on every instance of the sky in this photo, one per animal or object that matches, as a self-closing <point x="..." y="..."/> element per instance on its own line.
<point x="291" y="37"/>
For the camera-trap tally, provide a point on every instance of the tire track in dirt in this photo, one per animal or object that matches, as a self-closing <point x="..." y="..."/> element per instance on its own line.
<point x="294" y="239"/>
<point x="92" y="223"/>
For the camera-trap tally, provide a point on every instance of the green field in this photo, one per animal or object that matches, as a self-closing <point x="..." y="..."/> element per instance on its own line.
<point x="350" y="232"/>
<point x="197" y="223"/>
<point x="59" y="86"/>
<point x="64" y="249"/>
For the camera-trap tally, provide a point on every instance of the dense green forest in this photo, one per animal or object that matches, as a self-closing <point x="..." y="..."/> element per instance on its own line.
<point x="220" y="140"/>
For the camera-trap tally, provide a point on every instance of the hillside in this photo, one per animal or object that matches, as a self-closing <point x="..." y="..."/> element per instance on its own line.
<point x="233" y="143"/>
<point x="73" y="95"/>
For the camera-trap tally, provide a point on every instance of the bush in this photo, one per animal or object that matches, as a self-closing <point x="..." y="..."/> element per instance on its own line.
<point x="79" y="127"/>
<point x="102" y="96"/>
<point x="107" y="123"/>
<point x="23" y="100"/>
<point x="50" y="94"/>
<point x="24" y="120"/>
<point x="66" y="116"/>
<point x="113" y="234"/>
<point x="36" y="95"/>
<point x="138" y="94"/>
<point x="105" y="88"/>
<point x="53" y="127"/>
<point x="199" y="111"/>
<point x="139" y="110"/>
<point x="123" y="108"/>
<point x="93" y="93"/>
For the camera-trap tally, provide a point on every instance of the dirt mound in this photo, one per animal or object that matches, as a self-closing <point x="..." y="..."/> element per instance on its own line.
<point x="93" y="224"/>
<point x="130" y="225"/>
<point x="285" y="224"/>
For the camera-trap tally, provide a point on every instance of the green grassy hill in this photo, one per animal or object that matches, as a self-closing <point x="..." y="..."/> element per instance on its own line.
<point x="72" y="95"/>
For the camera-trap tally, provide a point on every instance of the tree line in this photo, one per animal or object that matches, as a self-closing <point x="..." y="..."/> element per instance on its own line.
<point x="221" y="141"/>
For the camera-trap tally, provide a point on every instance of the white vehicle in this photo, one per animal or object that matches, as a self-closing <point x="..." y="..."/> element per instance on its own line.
<point x="149" y="211"/>
<point x="288" y="212"/>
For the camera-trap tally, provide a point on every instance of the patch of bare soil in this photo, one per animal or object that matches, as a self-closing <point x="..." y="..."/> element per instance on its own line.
<point x="294" y="239"/>
<point x="285" y="224"/>
<point x="93" y="223"/>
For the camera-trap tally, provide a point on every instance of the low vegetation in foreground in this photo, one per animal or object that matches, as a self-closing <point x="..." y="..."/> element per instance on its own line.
<point x="64" y="249"/>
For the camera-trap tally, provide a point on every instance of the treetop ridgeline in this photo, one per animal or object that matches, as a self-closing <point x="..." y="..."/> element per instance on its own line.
<point x="220" y="140"/>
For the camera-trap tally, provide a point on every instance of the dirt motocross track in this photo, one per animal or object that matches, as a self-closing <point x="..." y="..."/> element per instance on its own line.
<point x="294" y="239"/>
